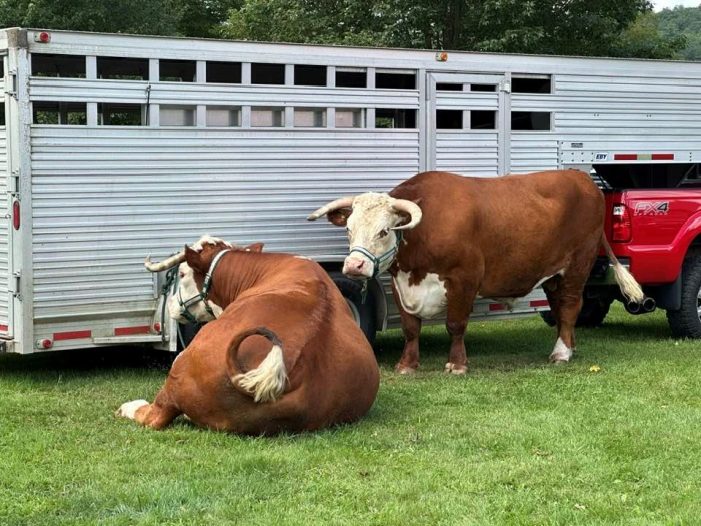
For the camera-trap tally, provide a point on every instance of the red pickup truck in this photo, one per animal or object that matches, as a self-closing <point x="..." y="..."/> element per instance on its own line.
<point x="653" y="222"/>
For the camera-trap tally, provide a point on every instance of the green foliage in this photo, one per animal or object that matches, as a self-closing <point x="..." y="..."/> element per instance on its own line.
<point x="644" y="39"/>
<point x="686" y="22"/>
<point x="517" y="441"/>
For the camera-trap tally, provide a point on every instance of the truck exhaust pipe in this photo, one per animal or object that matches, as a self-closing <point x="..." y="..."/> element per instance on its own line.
<point x="647" y="305"/>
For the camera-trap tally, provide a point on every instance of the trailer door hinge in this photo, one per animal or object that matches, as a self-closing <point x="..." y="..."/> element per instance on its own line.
<point x="506" y="86"/>
<point x="15" y="284"/>
<point x="13" y="187"/>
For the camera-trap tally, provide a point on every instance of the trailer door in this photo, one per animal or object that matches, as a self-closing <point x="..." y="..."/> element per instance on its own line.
<point x="465" y="122"/>
<point x="5" y="207"/>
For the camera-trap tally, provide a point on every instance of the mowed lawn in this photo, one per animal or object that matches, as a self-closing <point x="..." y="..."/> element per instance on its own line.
<point x="516" y="441"/>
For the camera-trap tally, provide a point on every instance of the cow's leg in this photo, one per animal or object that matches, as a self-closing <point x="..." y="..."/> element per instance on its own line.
<point x="411" y="327"/>
<point x="459" y="309"/>
<point x="157" y="415"/>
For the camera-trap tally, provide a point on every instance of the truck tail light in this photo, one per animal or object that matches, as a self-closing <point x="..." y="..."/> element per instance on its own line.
<point x="622" y="227"/>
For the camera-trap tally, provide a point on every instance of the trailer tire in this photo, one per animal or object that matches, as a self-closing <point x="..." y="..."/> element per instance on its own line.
<point x="686" y="322"/>
<point x="363" y="312"/>
<point x="593" y="313"/>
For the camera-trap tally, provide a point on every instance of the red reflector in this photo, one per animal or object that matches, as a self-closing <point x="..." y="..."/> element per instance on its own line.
<point x="662" y="156"/>
<point x="3" y="328"/>
<point x="496" y="306"/>
<point x="46" y="344"/>
<point x="126" y="331"/>
<point x="72" y="335"/>
<point x="539" y="303"/>
<point x="625" y="157"/>
<point x="157" y="327"/>
<point x="15" y="214"/>
<point x="44" y="37"/>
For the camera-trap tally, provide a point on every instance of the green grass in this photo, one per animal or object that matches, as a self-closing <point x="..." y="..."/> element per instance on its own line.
<point x="517" y="441"/>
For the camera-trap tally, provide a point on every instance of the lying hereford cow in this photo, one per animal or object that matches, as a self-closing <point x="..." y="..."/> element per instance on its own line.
<point x="284" y="355"/>
<point x="448" y="239"/>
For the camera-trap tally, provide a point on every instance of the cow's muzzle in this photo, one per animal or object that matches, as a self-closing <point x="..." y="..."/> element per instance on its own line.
<point x="356" y="267"/>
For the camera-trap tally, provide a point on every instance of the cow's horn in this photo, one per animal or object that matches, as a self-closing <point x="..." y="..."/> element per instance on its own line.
<point x="166" y="263"/>
<point x="409" y="207"/>
<point x="343" y="202"/>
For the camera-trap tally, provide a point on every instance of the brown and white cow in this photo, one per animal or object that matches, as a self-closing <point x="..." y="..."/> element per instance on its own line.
<point x="284" y="355"/>
<point x="448" y="239"/>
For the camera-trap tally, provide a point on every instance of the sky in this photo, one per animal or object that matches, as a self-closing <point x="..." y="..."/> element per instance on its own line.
<point x="661" y="4"/>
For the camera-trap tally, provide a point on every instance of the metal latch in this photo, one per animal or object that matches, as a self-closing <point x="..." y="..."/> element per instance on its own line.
<point x="506" y="86"/>
<point x="11" y="84"/>
<point x="15" y="284"/>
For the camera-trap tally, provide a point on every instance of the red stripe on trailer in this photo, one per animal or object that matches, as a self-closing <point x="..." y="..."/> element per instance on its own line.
<point x="539" y="303"/>
<point x="3" y="328"/>
<point x="625" y="157"/>
<point x="72" y="335"/>
<point x="496" y="306"/>
<point x="126" y="331"/>
<point x="662" y="156"/>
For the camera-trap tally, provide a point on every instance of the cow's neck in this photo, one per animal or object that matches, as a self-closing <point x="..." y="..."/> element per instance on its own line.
<point x="231" y="278"/>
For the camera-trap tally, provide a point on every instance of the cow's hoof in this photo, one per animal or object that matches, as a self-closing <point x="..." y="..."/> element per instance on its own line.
<point x="558" y="360"/>
<point x="453" y="368"/>
<point x="405" y="370"/>
<point x="128" y="409"/>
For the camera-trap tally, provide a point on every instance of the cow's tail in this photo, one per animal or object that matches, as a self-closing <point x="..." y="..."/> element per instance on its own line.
<point x="266" y="382"/>
<point x="626" y="282"/>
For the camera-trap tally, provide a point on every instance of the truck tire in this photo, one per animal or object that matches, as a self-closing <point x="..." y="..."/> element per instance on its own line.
<point x="593" y="313"/>
<point x="686" y="322"/>
<point x="363" y="313"/>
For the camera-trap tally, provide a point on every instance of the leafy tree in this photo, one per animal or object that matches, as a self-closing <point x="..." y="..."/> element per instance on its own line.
<point x="643" y="39"/>
<point x="685" y="21"/>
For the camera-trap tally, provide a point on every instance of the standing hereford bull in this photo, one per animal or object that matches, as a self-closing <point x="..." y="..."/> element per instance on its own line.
<point x="284" y="355"/>
<point x="448" y="239"/>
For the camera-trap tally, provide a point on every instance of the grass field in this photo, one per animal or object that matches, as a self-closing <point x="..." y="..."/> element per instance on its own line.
<point x="517" y="441"/>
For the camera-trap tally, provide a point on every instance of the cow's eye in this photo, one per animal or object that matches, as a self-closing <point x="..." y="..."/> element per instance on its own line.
<point x="383" y="232"/>
<point x="182" y="275"/>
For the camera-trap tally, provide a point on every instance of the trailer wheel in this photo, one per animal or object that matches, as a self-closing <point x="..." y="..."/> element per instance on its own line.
<point x="593" y="313"/>
<point x="686" y="322"/>
<point x="363" y="313"/>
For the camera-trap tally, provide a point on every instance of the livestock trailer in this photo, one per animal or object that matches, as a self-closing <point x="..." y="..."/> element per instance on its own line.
<point x="113" y="147"/>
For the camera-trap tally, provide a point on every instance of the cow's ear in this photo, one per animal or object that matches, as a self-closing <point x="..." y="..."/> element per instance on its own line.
<point x="255" y="247"/>
<point x="194" y="259"/>
<point x="339" y="217"/>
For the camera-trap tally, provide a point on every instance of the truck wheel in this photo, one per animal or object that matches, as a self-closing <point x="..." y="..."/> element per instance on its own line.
<point x="686" y="322"/>
<point x="593" y="312"/>
<point x="363" y="313"/>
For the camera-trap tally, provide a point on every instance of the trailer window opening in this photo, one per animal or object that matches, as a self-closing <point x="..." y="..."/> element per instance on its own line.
<point x="530" y="120"/>
<point x="391" y="80"/>
<point x="64" y="113"/>
<point x="531" y="84"/>
<point x="483" y="87"/>
<point x="350" y="118"/>
<point x="2" y="114"/>
<point x="483" y="120"/>
<point x="449" y="86"/>
<point x="49" y="65"/>
<point x="119" y="68"/>
<point x="310" y="118"/>
<point x="176" y="115"/>
<point x="2" y="67"/>
<point x="109" y="114"/>
<point x="267" y="117"/>
<point x="224" y="72"/>
<point x="395" y="118"/>
<point x="177" y="70"/>
<point x="310" y="75"/>
<point x="223" y="116"/>
<point x="267" y="73"/>
<point x="351" y="78"/>
<point x="449" y="119"/>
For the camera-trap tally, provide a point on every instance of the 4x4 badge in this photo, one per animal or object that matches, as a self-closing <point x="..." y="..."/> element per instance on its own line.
<point x="646" y="208"/>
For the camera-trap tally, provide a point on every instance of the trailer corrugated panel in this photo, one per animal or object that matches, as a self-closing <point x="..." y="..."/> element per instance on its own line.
<point x="104" y="198"/>
<point x="533" y="151"/>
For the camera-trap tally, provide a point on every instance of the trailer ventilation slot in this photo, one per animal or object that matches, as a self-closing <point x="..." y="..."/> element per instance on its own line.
<point x="177" y="115"/>
<point x="267" y="117"/>
<point x="224" y="72"/>
<point x="483" y="120"/>
<point x="395" y="80"/>
<point x="395" y="118"/>
<point x="177" y="70"/>
<point x="223" y="116"/>
<point x="310" y="75"/>
<point x="69" y="113"/>
<point x="48" y="65"/>
<point x="310" y="117"/>
<point x="534" y="84"/>
<point x="109" y="114"/>
<point x="267" y="73"/>
<point x="449" y="86"/>
<point x="350" y="117"/>
<point x="530" y="121"/>
<point x="449" y="119"/>
<point x="351" y="78"/>
<point x="120" y="68"/>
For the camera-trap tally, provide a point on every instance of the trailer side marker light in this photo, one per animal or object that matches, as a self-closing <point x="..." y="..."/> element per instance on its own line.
<point x="45" y="344"/>
<point x="72" y="335"/>
<point x="539" y="303"/>
<point x="3" y="328"/>
<point x="157" y="327"/>
<point x="15" y="214"/>
<point x="442" y="56"/>
<point x="496" y="306"/>
<point x="128" y="331"/>
<point x="44" y="37"/>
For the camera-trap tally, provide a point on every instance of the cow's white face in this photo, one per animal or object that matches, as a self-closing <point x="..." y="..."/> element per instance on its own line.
<point x="187" y="288"/>
<point x="370" y="227"/>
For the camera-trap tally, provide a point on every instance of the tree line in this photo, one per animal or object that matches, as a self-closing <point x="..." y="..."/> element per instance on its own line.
<point x="625" y="28"/>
